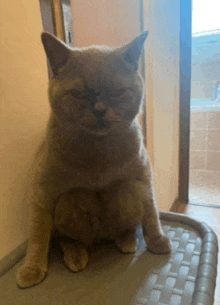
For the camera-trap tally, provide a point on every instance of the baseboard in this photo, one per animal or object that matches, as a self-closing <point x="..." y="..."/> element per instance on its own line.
<point x="207" y="205"/>
<point x="176" y="204"/>
<point x="13" y="258"/>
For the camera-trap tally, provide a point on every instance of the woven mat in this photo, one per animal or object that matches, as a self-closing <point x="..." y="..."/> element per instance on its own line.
<point x="190" y="275"/>
<point x="185" y="277"/>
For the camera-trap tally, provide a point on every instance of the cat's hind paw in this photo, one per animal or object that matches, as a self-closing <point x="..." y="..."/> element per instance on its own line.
<point x="75" y="256"/>
<point x="127" y="244"/>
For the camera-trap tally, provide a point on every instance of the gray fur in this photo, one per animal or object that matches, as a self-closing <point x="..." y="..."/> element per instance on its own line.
<point x="92" y="176"/>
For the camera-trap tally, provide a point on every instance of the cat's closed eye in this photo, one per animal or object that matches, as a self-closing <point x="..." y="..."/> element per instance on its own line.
<point x="77" y="94"/>
<point x="118" y="93"/>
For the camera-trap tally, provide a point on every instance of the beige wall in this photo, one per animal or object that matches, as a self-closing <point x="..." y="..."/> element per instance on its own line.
<point x="24" y="106"/>
<point x="162" y="84"/>
<point x="23" y="113"/>
<point x="105" y="22"/>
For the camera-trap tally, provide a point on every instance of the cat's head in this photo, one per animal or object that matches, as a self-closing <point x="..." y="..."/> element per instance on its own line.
<point x="98" y="88"/>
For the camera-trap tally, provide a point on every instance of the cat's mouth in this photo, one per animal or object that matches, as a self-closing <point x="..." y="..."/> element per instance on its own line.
<point x="100" y="127"/>
<point x="101" y="124"/>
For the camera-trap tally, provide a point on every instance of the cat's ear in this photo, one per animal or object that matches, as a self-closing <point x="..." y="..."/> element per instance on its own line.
<point x="57" y="51"/>
<point x="131" y="52"/>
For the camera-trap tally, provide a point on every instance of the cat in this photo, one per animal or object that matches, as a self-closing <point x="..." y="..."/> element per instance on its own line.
<point x="92" y="177"/>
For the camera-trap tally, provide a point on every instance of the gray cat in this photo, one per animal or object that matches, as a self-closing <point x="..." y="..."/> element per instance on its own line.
<point x="92" y="177"/>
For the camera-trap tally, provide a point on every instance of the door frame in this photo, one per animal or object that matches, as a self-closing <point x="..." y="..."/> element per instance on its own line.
<point x="185" y="38"/>
<point x="184" y="98"/>
<point x="57" y="19"/>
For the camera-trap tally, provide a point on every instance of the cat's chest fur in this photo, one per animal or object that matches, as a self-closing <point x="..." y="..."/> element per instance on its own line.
<point x="87" y="162"/>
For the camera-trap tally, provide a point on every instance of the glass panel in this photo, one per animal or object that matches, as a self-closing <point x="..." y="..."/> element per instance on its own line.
<point x="205" y="104"/>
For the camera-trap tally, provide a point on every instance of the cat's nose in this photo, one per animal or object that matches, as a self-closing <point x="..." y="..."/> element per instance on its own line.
<point x="99" y="110"/>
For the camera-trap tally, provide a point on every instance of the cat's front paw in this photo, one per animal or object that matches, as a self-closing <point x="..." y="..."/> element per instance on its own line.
<point x="29" y="275"/>
<point x="162" y="245"/>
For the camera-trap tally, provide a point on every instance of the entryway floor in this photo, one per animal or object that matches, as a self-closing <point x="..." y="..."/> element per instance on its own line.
<point x="204" y="187"/>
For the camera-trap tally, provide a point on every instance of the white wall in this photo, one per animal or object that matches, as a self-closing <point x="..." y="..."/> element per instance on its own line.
<point x="23" y="113"/>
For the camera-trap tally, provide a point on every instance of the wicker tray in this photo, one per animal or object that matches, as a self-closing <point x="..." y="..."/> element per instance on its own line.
<point x="190" y="275"/>
<point x="185" y="277"/>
